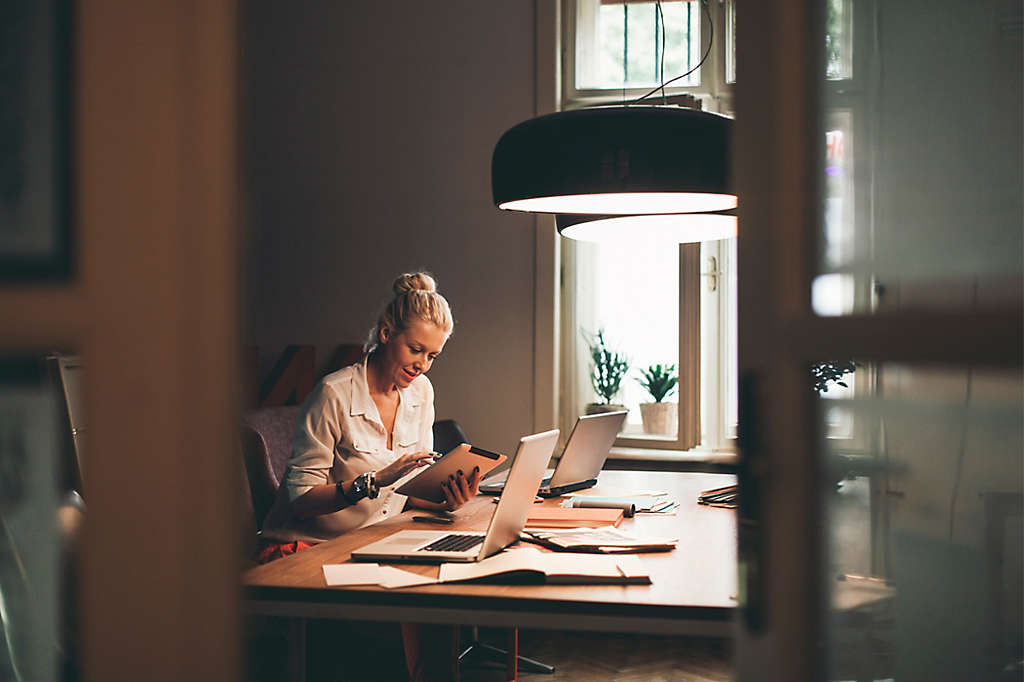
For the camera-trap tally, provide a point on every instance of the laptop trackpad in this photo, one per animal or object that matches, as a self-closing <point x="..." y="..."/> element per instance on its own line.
<point x="410" y="539"/>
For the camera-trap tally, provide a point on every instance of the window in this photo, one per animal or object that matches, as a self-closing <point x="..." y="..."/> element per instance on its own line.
<point x="654" y="304"/>
<point x="622" y="49"/>
<point x="677" y="307"/>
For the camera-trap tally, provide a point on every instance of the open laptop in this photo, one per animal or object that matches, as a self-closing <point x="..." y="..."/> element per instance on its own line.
<point x="581" y="461"/>
<point x="431" y="546"/>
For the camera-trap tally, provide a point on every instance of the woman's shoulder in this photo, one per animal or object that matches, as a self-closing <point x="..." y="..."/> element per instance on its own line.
<point x="342" y="376"/>
<point x="337" y="385"/>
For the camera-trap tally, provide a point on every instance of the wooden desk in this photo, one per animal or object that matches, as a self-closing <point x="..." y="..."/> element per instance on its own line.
<point x="693" y="588"/>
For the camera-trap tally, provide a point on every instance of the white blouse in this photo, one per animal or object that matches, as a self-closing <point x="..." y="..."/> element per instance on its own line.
<point x="340" y="435"/>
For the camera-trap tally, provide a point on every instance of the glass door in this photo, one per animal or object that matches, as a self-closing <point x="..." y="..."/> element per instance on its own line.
<point x="880" y="346"/>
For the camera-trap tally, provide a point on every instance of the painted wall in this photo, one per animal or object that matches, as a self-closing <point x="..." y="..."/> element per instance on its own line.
<point x="367" y="132"/>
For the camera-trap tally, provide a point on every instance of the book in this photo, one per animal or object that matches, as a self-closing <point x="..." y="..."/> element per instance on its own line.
<point x="603" y="540"/>
<point x="572" y="517"/>
<point x="725" y="496"/>
<point x="551" y="567"/>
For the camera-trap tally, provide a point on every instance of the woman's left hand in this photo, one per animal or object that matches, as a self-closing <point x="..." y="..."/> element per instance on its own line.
<point x="460" y="489"/>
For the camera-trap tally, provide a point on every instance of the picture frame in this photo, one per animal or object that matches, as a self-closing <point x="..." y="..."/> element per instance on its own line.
<point x="35" y="141"/>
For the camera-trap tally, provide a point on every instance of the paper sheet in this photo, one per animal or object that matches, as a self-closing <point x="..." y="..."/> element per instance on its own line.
<point x="352" y="574"/>
<point x="372" y="574"/>
<point x="391" y="578"/>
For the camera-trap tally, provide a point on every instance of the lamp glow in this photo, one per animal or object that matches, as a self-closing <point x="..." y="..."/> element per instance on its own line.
<point x="625" y="203"/>
<point x="679" y="228"/>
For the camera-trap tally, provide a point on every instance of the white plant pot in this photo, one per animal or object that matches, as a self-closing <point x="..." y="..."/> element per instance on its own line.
<point x="660" y="419"/>
<point x="600" y="408"/>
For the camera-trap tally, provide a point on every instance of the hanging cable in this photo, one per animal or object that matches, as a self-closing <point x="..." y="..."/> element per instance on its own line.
<point x="711" y="40"/>
<point x="661" y="70"/>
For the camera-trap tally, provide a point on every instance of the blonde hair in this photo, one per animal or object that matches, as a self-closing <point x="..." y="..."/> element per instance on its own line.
<point x="415" y="299"/>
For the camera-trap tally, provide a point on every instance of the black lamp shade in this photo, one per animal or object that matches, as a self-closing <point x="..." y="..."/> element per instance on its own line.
<point x="615" y="160"/>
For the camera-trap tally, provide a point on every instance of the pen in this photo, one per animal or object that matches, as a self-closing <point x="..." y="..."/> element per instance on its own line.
<point x="433" y="519"/>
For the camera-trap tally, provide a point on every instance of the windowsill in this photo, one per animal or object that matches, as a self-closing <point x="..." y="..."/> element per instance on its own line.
<point x="672" y="460"/>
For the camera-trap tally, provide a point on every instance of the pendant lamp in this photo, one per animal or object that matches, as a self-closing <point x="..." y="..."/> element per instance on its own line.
<point x="615" y="161"/>
<point x="675" y="228"/>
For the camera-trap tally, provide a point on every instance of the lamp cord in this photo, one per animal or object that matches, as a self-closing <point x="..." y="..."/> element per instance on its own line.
<point x="711" y="40"/>
<point x="661" y="70"/>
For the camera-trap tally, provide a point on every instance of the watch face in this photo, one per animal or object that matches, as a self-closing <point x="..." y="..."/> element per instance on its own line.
<point x="358" y="489"/>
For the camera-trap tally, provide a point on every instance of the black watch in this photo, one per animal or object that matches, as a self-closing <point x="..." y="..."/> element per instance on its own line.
<point x="364" y="485"/>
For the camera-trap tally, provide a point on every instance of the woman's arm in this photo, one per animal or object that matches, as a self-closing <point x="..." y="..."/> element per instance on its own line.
<point x="331" y="497"/>
<point x="322" y="499"/>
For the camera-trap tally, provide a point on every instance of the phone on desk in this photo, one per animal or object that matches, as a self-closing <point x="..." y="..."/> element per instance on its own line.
<point x="426" y="485"/>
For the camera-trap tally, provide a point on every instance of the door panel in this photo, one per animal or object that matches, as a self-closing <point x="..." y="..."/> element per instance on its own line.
<point x="880" y="224"/>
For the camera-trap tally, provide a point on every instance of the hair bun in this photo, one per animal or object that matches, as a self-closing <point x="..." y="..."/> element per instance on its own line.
<point x="415" y="281"/>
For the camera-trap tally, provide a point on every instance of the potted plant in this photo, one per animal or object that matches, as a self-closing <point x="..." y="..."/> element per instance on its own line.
<point x="827" y="372"/>
<point x="841" y="467"/>
<point x="660" y="382"/>
<point x="607" y="369"/>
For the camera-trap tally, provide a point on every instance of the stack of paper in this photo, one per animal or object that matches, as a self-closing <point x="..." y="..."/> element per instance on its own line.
<point x="604" y="540"/>
<point x="560" y="517"/>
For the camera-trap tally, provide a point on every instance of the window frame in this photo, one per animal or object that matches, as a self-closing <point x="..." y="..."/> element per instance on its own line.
<point x="713" y="90"/>
<point x="715" y="93"/>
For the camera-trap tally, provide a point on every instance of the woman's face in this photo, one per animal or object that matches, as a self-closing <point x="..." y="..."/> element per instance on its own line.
<point x="410" y="353"/>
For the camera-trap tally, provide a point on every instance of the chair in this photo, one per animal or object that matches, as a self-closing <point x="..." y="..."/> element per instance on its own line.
<point x="266" y="447"/>
<point x="448" y="435"/>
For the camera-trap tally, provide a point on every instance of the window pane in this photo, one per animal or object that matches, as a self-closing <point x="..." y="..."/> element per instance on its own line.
<point x="730" y="42"/>
<point x="619" y="45"/>
<point x="838" y="46"/>
<point x="31" y="450"/>
<point x="924" y="529"/>
<point x="631" y="291"/>
<point x="924" y="191"/>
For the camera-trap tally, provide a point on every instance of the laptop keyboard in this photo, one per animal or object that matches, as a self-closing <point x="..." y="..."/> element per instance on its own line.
<point x="453" y="543"/>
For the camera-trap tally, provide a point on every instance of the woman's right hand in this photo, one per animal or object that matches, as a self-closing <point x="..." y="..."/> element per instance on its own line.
<point x="401" y="466"/>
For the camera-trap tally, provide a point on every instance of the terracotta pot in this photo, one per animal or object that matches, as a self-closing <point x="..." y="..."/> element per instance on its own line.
<point x="600" y="408"/>
<point x="660" y="419"/>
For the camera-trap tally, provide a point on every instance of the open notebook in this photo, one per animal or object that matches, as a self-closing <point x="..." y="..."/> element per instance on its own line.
<point x="432" y="546"/>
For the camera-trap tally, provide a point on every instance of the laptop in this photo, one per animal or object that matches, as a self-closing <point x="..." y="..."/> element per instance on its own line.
<point x="588" y="447"/>
<point x="433" y="546"/>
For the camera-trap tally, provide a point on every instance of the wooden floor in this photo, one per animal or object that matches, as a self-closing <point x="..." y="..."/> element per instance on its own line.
<point x="338" y="653"/>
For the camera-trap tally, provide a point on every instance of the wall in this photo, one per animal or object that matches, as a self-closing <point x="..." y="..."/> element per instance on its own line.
<point x="367" y="137"/>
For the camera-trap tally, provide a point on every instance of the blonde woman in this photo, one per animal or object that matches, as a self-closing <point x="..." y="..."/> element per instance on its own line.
<point x="366" y="428"/>
<point x="362" y="432"/>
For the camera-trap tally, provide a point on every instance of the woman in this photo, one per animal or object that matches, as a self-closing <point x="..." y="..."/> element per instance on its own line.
<point x="365" y="429"/>
<point x="362" y="432"/>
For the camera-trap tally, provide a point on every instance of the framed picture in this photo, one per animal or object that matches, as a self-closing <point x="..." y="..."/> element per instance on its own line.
<point x="35" y="144"/>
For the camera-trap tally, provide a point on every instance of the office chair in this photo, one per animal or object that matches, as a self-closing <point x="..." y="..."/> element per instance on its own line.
<point x="447" y="435"/>
<point x="266" y="446"/>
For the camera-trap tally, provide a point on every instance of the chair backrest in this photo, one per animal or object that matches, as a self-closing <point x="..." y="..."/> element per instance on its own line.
<point x="266" y="447"/>
<point x="447" y="435"/>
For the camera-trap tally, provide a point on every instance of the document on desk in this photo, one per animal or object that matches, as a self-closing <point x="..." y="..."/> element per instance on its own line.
<point x="372" y="574"/>
<point x="551" y="567"/>
<point x="352" y="574"/>
<point x="601" y="540"/>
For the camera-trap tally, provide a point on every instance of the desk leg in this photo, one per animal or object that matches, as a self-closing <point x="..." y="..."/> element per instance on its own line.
<point x="513" y="654"/>
<point x="297" y="649"/>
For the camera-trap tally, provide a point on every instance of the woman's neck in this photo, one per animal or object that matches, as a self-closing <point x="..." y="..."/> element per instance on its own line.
<point x="375" y="380"/>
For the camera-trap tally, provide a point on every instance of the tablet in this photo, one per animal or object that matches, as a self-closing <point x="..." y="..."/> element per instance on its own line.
<point x="426" y="485"/>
